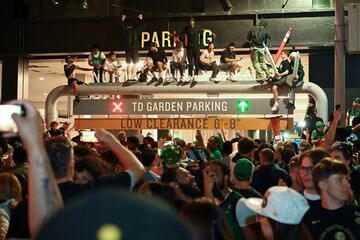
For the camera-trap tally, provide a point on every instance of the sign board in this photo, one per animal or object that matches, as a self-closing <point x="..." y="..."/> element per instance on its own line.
<point x="180" y="123"/>
<point x="176" y="106"/>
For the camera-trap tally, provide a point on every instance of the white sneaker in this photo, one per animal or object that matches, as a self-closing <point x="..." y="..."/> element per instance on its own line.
<point x="275" y="107"/>
<point x="230" y="77"/>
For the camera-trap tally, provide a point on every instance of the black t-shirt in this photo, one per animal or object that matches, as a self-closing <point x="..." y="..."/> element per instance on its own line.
<point x="343" y="223"/>
<point x="268" y="176"/>
<point x="19" y="225"/>
<point x="227" y="54"/>
<point x="193" y="36"/>
<point x="158" y="56"/>
<point x="285" y="65"/>
<point x="310" y="123"/>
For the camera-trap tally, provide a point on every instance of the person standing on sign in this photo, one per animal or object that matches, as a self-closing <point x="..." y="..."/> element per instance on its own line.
<point x="258" y="36"/>
<point x="193" y="32"/>
<point x="132" y="36"/>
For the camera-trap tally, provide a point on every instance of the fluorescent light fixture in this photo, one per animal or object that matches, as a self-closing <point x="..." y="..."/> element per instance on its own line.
<point x="41" y="78"/>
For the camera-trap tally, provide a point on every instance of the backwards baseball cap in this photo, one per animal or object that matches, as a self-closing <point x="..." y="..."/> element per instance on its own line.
<point x="243" y="169"/>
<point x="319" y="124"/>
<point x="281" y="204"/>
<point x="112" y="214"/>
<point x="357" y="100"/>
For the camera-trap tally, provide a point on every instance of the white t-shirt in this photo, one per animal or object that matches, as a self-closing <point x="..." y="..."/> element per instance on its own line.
<point x="112" y="65"/>
<point x="179" y="56"/>
<point x="208" y="55"/>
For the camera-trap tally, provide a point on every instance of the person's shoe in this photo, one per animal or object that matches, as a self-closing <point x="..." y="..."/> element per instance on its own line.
<point x="154" y="79"/>
<point x="180" y="82"/>
<point x="213" y="79"/>
<point x="261" y="81"/>
<point x="275" y="107"/>
<point x="193" y="84"/>
<point x="159" y="82"/>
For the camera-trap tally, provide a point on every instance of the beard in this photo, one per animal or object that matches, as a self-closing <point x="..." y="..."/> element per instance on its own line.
<point x="190" y="190"/>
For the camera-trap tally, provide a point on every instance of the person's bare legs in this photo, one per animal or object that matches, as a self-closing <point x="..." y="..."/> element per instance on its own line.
<point x="129" y="71"/>
<point x="74" y="88"/>
<point x="274" y="90"/>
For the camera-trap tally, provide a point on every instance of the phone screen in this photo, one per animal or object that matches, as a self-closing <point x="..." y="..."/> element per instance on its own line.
<point x="7" y="124"/>
<point x="88" y="136"/>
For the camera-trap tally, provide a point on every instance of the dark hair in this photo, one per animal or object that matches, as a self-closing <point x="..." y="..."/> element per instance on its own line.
<point x="315" y="155"/>
<point x="231" y="44"/>
<point x="246" y="145"/>
<point x="344" y="148"/>
<point x="82" y="151"/>
<point x="267" y="155"/>
<point x="179" y="43"/>
<point x="153" y="44"/>
<point x="134" y="140"/>
<point x="147" y="157"/>
<point x="169" y="175"/>
<point x="60" y="153"/>
<point x="209" y="42"/>
<point x="94" y="165"/>
<point x="265" y="145"/>
<point x="19" y="155"/>
<point x="207" y="219"/>
<point x="227" y="148"/>
<point x="289" y="231"/>
<point x="286" y="155"/>
<point x="325" y="168"/>
<point x="311" y="110"/>
<point x="112" y="53"/>
<point x="224" y="169"/>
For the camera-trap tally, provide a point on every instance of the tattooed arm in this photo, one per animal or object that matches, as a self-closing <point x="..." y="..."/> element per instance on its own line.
<point x="44" y="194"/>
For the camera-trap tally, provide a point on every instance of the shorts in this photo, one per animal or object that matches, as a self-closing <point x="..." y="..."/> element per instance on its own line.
<point x="78" y="82"/>
<point x="132" y="55"/>
<point x="225" y="66"/>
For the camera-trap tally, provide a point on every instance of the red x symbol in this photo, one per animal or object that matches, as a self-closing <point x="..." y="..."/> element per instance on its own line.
<point x="117" y="107"/>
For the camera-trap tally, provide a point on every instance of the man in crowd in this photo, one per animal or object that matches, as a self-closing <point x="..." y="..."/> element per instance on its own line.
<point x="336" y="219"/>
<point x="158" y="63"/>
<point x="241" y="178"/>
<point x="213" y="147"/>
<point x="229" y="62"/>
<point x="97" y="60"/>
<point x="318" y="134"/>
<point x="268" y="174"/>
<point x="207" y="61"/>
<point x="132" y="34"/>
<point x="258" y="36"/>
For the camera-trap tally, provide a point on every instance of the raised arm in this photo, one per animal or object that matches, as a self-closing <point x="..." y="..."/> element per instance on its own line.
<point x="44" y="194"/>
<point x="128" y="160"/>
<point x="330" y="135"/>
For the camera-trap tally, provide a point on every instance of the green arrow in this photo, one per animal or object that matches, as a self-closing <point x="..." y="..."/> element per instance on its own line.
<point x="243" y="106"/>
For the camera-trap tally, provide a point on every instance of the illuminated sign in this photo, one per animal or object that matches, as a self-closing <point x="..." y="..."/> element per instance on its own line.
<point x="165" y="39"/>
<point x="208" y="106"/>
<point x="180" y="123"/>
<point x="116" y="107"/>
<point x="243" y="106"/>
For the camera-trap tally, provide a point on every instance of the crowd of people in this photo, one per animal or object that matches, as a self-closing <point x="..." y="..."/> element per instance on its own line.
<point x="131" y="187"/>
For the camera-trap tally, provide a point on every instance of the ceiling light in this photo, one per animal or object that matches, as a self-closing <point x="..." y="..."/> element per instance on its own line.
<point x="45" y="94"/>
<point x="41" y="78"/>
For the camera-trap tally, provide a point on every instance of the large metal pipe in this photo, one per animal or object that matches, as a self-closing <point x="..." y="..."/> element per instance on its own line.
<point x="339" y="55"/>
<point x="51" y="101"/>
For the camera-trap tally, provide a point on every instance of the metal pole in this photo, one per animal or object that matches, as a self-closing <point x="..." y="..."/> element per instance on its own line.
<point x="339" y="51"/>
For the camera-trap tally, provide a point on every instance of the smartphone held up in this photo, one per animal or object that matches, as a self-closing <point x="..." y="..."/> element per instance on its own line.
<point x="8" y="127"/>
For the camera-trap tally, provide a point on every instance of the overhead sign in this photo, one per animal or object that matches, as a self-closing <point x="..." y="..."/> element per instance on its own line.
<point x="176" y="106"/>
<point x="179" y="123"/>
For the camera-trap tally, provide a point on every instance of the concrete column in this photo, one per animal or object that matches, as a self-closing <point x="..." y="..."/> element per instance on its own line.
<point x="339" y="51"/>
<point x="15" y="77"/>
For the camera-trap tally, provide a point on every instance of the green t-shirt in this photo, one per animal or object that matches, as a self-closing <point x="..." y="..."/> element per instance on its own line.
<point x="317" y="135"/>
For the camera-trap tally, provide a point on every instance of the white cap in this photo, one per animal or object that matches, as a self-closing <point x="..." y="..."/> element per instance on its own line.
<point x="281" y="204"/>
<point x="294" y="54"/>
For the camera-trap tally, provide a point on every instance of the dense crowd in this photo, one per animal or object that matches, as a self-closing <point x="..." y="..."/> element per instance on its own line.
<point x="131" y="187"/>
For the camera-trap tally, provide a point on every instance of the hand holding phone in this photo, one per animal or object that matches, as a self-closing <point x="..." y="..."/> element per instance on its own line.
<point x="8" y="127"/>
<point x="88" y="136"/>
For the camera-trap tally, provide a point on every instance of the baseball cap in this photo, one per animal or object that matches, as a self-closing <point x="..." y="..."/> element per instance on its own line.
<point x="113" y="214"/>
<point x="319" y="124"/>
<point x="243" y="169"/>
<point x="281" y="204"/>
<point x="357" y="100"/>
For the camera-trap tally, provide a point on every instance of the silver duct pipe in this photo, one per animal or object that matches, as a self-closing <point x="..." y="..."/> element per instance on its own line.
<point x="206" y="88"/>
